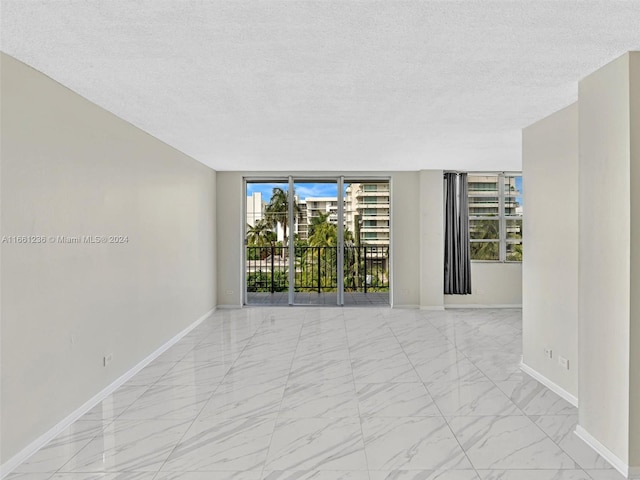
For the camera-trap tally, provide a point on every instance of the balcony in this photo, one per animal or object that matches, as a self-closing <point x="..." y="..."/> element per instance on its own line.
<point x="377" y="216"/>
<point x="379" y="193"/>
<point x="378" y="229"/>
<point x="316" y="270"/>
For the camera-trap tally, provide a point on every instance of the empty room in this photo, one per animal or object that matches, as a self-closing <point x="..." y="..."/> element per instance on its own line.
<point x="319" y="240"/>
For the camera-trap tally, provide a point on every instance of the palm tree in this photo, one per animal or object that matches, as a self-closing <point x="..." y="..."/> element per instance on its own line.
<point x="260" y="234"/>
<point x="277" y="211"/>
<point x="317" y="220"/>
<point x="485" y="230"/>
<point x="324" y="235"/>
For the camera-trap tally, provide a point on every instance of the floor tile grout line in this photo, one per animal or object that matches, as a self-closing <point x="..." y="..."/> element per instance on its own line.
<point x="443" y="417"/>
<point x="78" y="452"/>
<point x="284" y="390"/>
<point x="577" y="464"/>
<point x="206" y="402"/>
<point x="355" y="388"/>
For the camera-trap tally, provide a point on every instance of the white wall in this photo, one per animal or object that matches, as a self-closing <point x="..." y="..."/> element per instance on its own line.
<point x="229" y="194"/>
<point x="634" y="377"/>
<point x="71" y="168"/>
<point x="605" y="127"/>
<point x="432" y="238"/>
<point x="492" y="284"/>
<point x="405" y="239"/>
<point x="550" y="265"/>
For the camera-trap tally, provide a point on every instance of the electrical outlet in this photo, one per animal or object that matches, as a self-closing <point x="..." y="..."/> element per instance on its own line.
<point x="563" y="362"/>
<point x="229" y="292"/>
<point x="548" y="352"/>
<point x="106" y="360"/>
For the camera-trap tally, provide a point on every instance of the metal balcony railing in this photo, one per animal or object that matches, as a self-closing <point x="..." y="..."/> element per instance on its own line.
<point x="366" y="269"/>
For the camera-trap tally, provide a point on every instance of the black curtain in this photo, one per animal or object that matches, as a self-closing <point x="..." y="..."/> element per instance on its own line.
<point x="457" y="257"/>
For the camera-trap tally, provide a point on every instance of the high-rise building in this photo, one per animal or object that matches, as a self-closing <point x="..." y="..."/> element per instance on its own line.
<point x="302" y="222"/>
<point x="367" y="212"/>
<point x="255" y="208"/>
<point x="322" y="205"/>
<point x="484" y="195"/>
<point x="495" y="217"/>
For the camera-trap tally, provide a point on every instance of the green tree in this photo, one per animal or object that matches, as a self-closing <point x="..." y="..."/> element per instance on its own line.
<point x="324" y="235"/>
<point x="317" y="220"/>
<point x="261" y="234"/>
<point x="485" y="230"/>
<point x="515" y="255"/>
<point x="277" y="211"/>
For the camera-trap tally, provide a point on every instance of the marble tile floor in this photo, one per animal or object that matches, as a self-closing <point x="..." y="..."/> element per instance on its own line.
<point x="315" y="393"/>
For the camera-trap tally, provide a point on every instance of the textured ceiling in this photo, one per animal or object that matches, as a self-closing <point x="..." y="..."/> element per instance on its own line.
<point x="326" y="85"/>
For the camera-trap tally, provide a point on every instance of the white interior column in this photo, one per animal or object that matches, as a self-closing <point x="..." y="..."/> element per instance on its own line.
<point x="609" y="261"/>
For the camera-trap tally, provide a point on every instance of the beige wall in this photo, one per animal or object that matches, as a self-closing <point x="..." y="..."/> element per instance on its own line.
<point x="405" y="238"/>
<point x="550" y="266"/>
<point x="634" y="374"/>
<point x="230" y="198"/>
<point x="71" y="168"/>
<point x="604" y="254"/>
<point x="492" y="284"/>
<point x="432" y="239"/>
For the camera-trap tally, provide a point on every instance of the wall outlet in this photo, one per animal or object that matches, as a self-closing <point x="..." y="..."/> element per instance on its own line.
<point x="106" y="360"/>
<point x="548" y="352"/>
<point x="229" y="292"/>
<point x="563" y="362"/>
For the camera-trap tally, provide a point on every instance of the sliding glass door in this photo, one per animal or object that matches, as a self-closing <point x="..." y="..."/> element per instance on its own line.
<point x="316" y="244"/>
<point x="317" y="241"/>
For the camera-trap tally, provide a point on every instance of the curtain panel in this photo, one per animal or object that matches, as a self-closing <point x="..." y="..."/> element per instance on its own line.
<point x="457" y="253"/>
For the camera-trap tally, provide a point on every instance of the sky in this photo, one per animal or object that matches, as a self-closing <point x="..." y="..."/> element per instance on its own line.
<point x="519" y="188"/>
<point x="303" y="190"/>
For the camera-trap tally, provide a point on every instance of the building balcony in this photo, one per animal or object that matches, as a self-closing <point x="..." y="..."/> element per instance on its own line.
<point x="379" y="193"/>
<point x="373" y="205"/>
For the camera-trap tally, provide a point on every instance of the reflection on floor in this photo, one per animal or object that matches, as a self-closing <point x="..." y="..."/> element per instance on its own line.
<point x="329" y="394"/>
<point x="314" y="298"/>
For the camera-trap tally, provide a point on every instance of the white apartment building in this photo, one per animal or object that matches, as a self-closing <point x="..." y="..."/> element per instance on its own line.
<point x="322" y="205"/>
<point x="255" y="208"/>
<point x="367" y="211"/>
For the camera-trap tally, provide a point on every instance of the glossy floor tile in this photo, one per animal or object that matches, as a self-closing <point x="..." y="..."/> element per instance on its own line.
<point x="330" y="394"/>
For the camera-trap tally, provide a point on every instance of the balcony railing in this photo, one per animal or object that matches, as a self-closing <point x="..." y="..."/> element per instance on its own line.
<point x="366" y="269"/>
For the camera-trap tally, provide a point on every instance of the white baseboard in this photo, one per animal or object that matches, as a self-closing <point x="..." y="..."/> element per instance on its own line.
<point x="433" y="308"/>
<point x="10" y="465"/>
<point x="477" y="305"/>
<point x="607" y="454"/>
<point x="554" y="387"/>
<point x="406" y="307"/>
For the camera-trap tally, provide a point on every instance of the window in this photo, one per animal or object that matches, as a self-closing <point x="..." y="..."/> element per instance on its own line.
<point x="495" y="222"/>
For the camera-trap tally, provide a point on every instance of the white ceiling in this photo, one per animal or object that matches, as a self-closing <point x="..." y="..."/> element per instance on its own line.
<point x="326" y="85"/>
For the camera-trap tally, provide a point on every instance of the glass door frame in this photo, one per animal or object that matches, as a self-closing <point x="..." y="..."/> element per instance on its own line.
<point x="340" y="181"/>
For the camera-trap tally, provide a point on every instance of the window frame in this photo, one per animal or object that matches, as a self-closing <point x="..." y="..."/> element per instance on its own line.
<point x="502" y="218"/>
